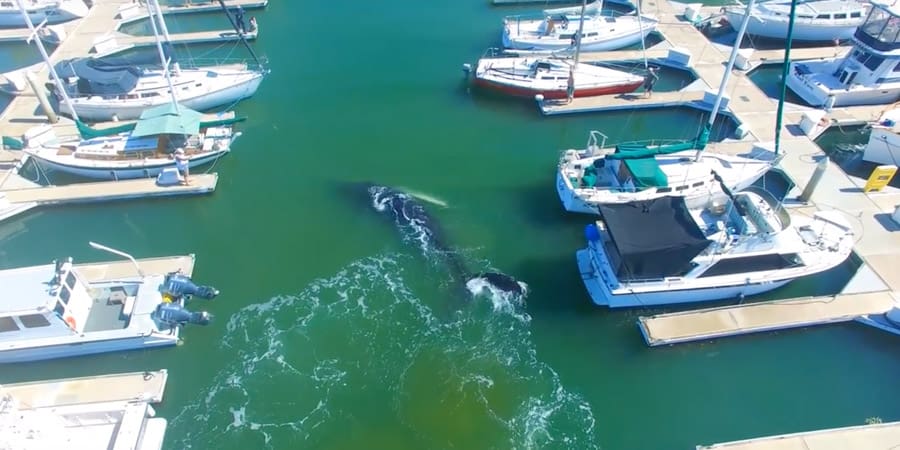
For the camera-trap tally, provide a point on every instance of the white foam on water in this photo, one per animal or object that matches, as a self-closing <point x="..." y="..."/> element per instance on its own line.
<point x="296" y="359"/>
<point x="428" y="198"/>
<point x="503" y="301"/>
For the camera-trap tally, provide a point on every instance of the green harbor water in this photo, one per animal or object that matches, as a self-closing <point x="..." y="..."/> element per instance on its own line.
<point x="332" y="332"/>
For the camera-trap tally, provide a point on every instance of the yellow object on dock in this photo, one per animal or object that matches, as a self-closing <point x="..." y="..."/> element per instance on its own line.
<point x="880" y="178"/>
<point x="687" y="326"/>
<point x="879" y="436"/>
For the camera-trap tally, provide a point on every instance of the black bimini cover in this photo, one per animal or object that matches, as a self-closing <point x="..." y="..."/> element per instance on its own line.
<point x="654" y="239"/>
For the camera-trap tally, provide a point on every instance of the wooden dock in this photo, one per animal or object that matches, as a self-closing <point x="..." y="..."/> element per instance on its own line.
<point x="624" y="101"/>
<point x="879" y="436"/>
<point x="687" y="326"/>
<point x="111" y="270"/>
<point x="16" y="199"/>
<point x="126" y="387"/>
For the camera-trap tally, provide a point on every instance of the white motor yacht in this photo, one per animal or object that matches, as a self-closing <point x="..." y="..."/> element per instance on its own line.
<point x="661" y="252"/>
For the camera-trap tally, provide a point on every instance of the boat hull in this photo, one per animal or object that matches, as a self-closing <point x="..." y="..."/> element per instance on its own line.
<point x="69" y="10"/>
<point x="616" y="43"/>
<point x="82" y="348"/>
<point x="816" y="85"/>
<point x="777" y="29"/>
<point x="602" y="296"/>
<point x="132" y="109"/>
<point x="555" y="94"/>
<point x="122" y="173"/>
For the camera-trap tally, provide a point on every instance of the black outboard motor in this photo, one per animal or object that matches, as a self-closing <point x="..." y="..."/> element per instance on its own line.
<point x="175" y="314"/>
<point x="178" y="284"/>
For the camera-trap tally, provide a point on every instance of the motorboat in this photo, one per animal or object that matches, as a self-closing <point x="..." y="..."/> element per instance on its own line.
<point x="661" y="252"/>
<point x="867" y="75"/>
<point x="815" y="20"/>
<point x="558" y="32"/>
<point x="100" y="90"/>
<point x="599" y="175"/>
<point x="110" y="411"/>
<point x="144" y="151"/>
<point x="53" y="11"/>
<point x="62" y="310"/>
<point x="549" y="77"/>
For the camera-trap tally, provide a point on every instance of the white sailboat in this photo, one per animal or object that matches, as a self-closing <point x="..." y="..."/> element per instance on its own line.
<point x="639" y="171"/>
<point x="552" y="77"/>
<point x="662" y="252"/>
<point x="816" y="21"/>
<point x="558" y="31"/>
<point x="883" y="146"/>
<point x="101" y="91"/>
<point x="53" y="11"/>
<point x="142" y="149"/>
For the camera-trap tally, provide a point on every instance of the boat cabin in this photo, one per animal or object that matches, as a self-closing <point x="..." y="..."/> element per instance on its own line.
<point x="875" y="58"/>
<point x="54" y="301"/>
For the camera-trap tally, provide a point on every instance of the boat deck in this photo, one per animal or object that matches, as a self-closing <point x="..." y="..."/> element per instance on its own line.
<point x="687" y="326"/>
<point x="104" y="271"/>
<point x="880" y="436"/>
<point x="134" y="386"/>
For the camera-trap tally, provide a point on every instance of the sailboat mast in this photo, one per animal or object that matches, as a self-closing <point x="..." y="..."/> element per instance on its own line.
<point x="40" y="46"/>
<point x="727" y="73"/>
<point x="168" y="39"/>
<point x="784" y="74"/>
<point x="637" y="4"/>
<point x="580" y="30"/>
<point x="236" y="29"/>
<point x="162" y="54"/>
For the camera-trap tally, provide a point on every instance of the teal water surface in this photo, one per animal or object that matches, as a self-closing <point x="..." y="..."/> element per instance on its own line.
<point x="332" y="332"/>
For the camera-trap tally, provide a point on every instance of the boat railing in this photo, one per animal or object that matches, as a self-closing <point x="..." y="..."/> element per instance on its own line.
<point x="777" y="207"/>
<point x="596" y="141"/>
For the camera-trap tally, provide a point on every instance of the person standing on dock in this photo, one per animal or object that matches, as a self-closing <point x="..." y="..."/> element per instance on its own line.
<point x="239" y="18"/>
<point x="649" y="80"/>
<point x="181" y="163"/>
<point x="570" y="87"/>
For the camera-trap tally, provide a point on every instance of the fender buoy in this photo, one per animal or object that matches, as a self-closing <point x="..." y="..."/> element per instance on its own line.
<point x="824" y="122"/>
<point x="71" y="322"/>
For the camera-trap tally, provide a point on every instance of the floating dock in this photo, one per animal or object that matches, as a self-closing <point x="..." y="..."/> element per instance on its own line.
<point x="134" y="12"/>
<point x="879" y="436"/>
<point x="110" y="411"/>
<point x="14" y="201"/>
<point x="126" y="387"/>
<point x="688" y="326"/>
<point x="118" y="42"/>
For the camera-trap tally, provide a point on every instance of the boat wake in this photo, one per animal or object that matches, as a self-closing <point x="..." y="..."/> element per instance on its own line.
<point x="358" y="360"/>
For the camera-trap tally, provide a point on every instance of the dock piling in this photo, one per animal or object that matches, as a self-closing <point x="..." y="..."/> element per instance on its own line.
<point x="42" y="97"/>
<point x="814" y="180"/>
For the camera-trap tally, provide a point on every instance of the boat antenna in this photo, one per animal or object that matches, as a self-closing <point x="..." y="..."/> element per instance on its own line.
<point x="168" y="39"/>
<point x="637" y="5"/>
<point x="120" y="253"/>
<point x="162" y="55"/>
<point x="238" y="31"/>
<point x="784" y="74"/>
<point x="40" y="46"/>
<point x="704" y="135"/>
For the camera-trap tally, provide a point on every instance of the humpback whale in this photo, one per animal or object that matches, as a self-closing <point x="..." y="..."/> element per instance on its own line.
<point x="416" y="225"/>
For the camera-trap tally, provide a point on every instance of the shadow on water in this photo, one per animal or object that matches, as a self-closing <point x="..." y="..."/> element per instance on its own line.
<point x="767" y="77"/>
<point x="540" y="205"/>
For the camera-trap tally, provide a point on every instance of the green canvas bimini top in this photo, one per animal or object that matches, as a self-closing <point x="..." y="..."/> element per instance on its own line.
<point x="164" y="119"/>
<point x="646" y="172"/>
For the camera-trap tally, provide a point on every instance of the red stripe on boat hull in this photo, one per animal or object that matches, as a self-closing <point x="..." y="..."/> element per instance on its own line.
<point x="557" y="93"/>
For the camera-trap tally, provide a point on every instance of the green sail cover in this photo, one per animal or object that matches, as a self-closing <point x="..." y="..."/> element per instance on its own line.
<point x="88" y="132"/>
<point x="646" y="173"/>
<point x="637" y="151"/>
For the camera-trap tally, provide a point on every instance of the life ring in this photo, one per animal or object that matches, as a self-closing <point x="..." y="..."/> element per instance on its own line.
<point x="71" y="322"/>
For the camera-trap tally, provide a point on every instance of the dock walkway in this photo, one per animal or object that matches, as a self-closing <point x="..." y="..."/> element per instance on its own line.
<point x="880" y="436"/>
<point x="135" y="386"/>
<point x="111" y="270"/>
<point x="687" y="326"/>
